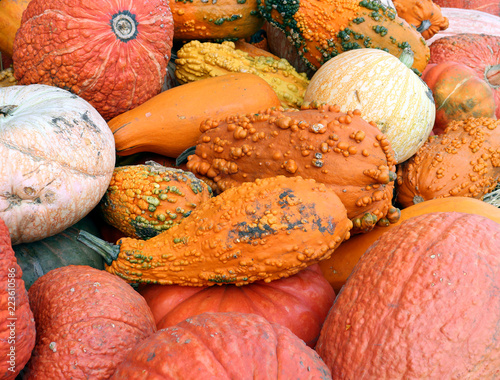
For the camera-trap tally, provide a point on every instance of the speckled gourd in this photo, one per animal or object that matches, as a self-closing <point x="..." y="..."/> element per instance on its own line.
<point x="197" y="60"/>
<point x="342" y="150"/>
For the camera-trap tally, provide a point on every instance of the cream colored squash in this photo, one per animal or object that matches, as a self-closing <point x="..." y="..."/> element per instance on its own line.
<point x="385" y="90"/>
<point x="57" y="156"/>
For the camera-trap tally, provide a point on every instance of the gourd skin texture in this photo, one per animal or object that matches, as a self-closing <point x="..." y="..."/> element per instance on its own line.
<point x="223" y="346"/>
<point x="57" y="155"/>
<point x="87" y="321"/>
<point x="144" y="200"/>
<point x="385" y="90"/>
<point x="342" y="150"/>
<point x="10" y="19"/>
<point x="110" y="53"/>
<point x="463" y="161"/>
<point x="422" y="303"/>
<point x="196" y="60"/>
<point x="322" y="29"/>
<point x="262" y="230"/>
<point x="425" y="15"/>
<point x="17" y="329"/>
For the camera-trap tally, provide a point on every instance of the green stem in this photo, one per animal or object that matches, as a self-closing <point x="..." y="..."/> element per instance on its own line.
<point x="108" y="251"/>
<point x="407" y="57"/>
<point x="426" y="24"/>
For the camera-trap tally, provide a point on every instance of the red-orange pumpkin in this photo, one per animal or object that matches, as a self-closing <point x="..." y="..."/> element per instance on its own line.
<point x="488" y="6"/>
<point x="422" y="303"/>
<point x="111" y="53"/>
<point x="299" y="302"/>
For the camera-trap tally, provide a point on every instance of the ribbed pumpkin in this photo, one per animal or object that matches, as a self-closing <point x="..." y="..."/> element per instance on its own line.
<point x="422" y="303"/>
<point x="425" y="15"/>
<point x="223" y="346"/>
<point x="385" y="89"/>
<point x="112" y="54"/>
<point x="17" y="329"/>
<point x="11" y="12"/>
<point x="299" y="302"/>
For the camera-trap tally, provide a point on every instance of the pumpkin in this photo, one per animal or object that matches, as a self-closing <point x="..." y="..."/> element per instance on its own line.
<point x="17" y="331"/>
<point x="487" y="6"/>
<point x="262" y="230"/>
<point x="144" y="200"/>
<point x="223" y="346"/>
<point x="113" y="55"/>
<point x="458" y="92"/>
<point x="422" y="303"/>
<point x="339" y="266"/>
<point x="87" y="322"/>
<point x="58" y="156"/>
<point x="342" y="150"/>
<point x="299" y="302"/>
<point x="463" y="161"/>
<point x="385" y="89"/>
<point x="197" y="60"/>
<point x="425" y="15"/>
<point x="11" y="12"/>
<point x="62" y="249"/>
<point x="485" y="61"/>
<point x="322" y="29"/>
<point x="216" y="19"/>
<point x="169" y="123"/>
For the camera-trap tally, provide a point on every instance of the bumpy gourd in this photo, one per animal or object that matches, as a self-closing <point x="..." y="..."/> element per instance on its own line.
<point x="425" y="15"/>
<point x="262" y="230"/>
<point x="350" y="155"/>
<point x="322" y="29"/>
<point x="198" y="60"/>
<point x="463" y="161"/>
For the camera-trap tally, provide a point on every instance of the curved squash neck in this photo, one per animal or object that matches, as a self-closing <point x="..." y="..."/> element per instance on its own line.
<point x="108" y="251"/>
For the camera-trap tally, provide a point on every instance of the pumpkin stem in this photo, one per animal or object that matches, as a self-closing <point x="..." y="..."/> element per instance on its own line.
<point x="182" y="158"/>
<point x="7" y="110"/>
<point x="407" y="57"/>
<point x="108" y="251"/>
<point x="492" y="75"/>
<point x="426" y="24"/>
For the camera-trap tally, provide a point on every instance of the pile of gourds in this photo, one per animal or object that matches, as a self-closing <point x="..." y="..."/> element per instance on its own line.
<point x="251" y="189"/>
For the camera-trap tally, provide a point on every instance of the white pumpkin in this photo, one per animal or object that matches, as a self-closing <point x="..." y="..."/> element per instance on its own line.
<point x="385" y="90"/>
<point x="57" y="156"/>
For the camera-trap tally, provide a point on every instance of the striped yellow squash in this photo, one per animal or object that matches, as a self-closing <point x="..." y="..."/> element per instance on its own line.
<point x="385" y="90"/>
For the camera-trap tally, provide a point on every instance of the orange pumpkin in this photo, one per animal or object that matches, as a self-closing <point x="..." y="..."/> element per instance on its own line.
<point x="425" y="15"/>
<point x="11" y="12"/>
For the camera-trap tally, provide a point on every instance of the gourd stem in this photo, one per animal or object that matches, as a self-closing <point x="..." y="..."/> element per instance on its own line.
<point x="426" y="24"/>
<point x="182" y="158"/>
<point x="108" y="251"/>
<point x="7" y="110"/>
<point x="407" y="57"/>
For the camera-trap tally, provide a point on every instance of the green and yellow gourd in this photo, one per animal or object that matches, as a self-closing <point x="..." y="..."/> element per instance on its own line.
<point x="197" y="60"/>
<point x="322" y="29"/>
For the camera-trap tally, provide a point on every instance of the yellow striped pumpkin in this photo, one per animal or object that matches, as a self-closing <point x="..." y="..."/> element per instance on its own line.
<point x="386" y="91"/>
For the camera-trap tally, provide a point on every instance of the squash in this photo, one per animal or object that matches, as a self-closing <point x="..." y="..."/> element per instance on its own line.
<point x="322" y="29"/>
<point x="422" y="303"/>
<point x="486" y="6"/>
<point x="87" y="322"/>
<point x="385" y="89"/>
<point x="7" y="78"/>
<point x="144" y="200"/>
<point x="425" y="15"/>
<point x="342" y="150"/>
<point x="17" y="332"/>
<point x="458" y="92"/>
<point x="485" y="61"/>
<point x="254" y="49"/>
<point x="463" y="161"/>
<point x="198" y="60"/>
<point x="263" y="230"/>
<point x="299" y="302"/>
<point x="339" y="266"/>
<point x="11" y="12"/>
<point x="215" y="19"/>
<point x="57" y="156"/>
<point x="223" y="346"/>
<point x="112" y="54"/>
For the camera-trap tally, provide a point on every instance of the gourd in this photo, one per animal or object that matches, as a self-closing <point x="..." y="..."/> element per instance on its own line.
<point x="114" y="55"/>
<point x="169" y="123"/>
<point x="262" y="230"/>
<point x="323" y="29"/>
<point x="385" y="89"/>
<point x="215" y="19"/>
<point x="11" y="12"/>
<point x="486" y="6"/>
<point x="17" y="332"/>
<point x="144" y="200"/>
<point x="339" y="266"/>
<point x="223" y="346"/>
<point x="422" y="303"/>
<point x="342" y="150"/>
<point x="299" y="302"/>
<point x="425" y="15"/>
<point x="7" y="77"/>
<point x="197" y="60"/>
<point x="87" y="322"/>
<point x="485" y="61"/>
<point x="463" y="161"/>
<point x="458" y="92"/>
<point x="58" y="156"/>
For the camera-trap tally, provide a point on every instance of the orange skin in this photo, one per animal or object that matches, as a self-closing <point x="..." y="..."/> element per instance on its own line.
<point x="11" y="12"/>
